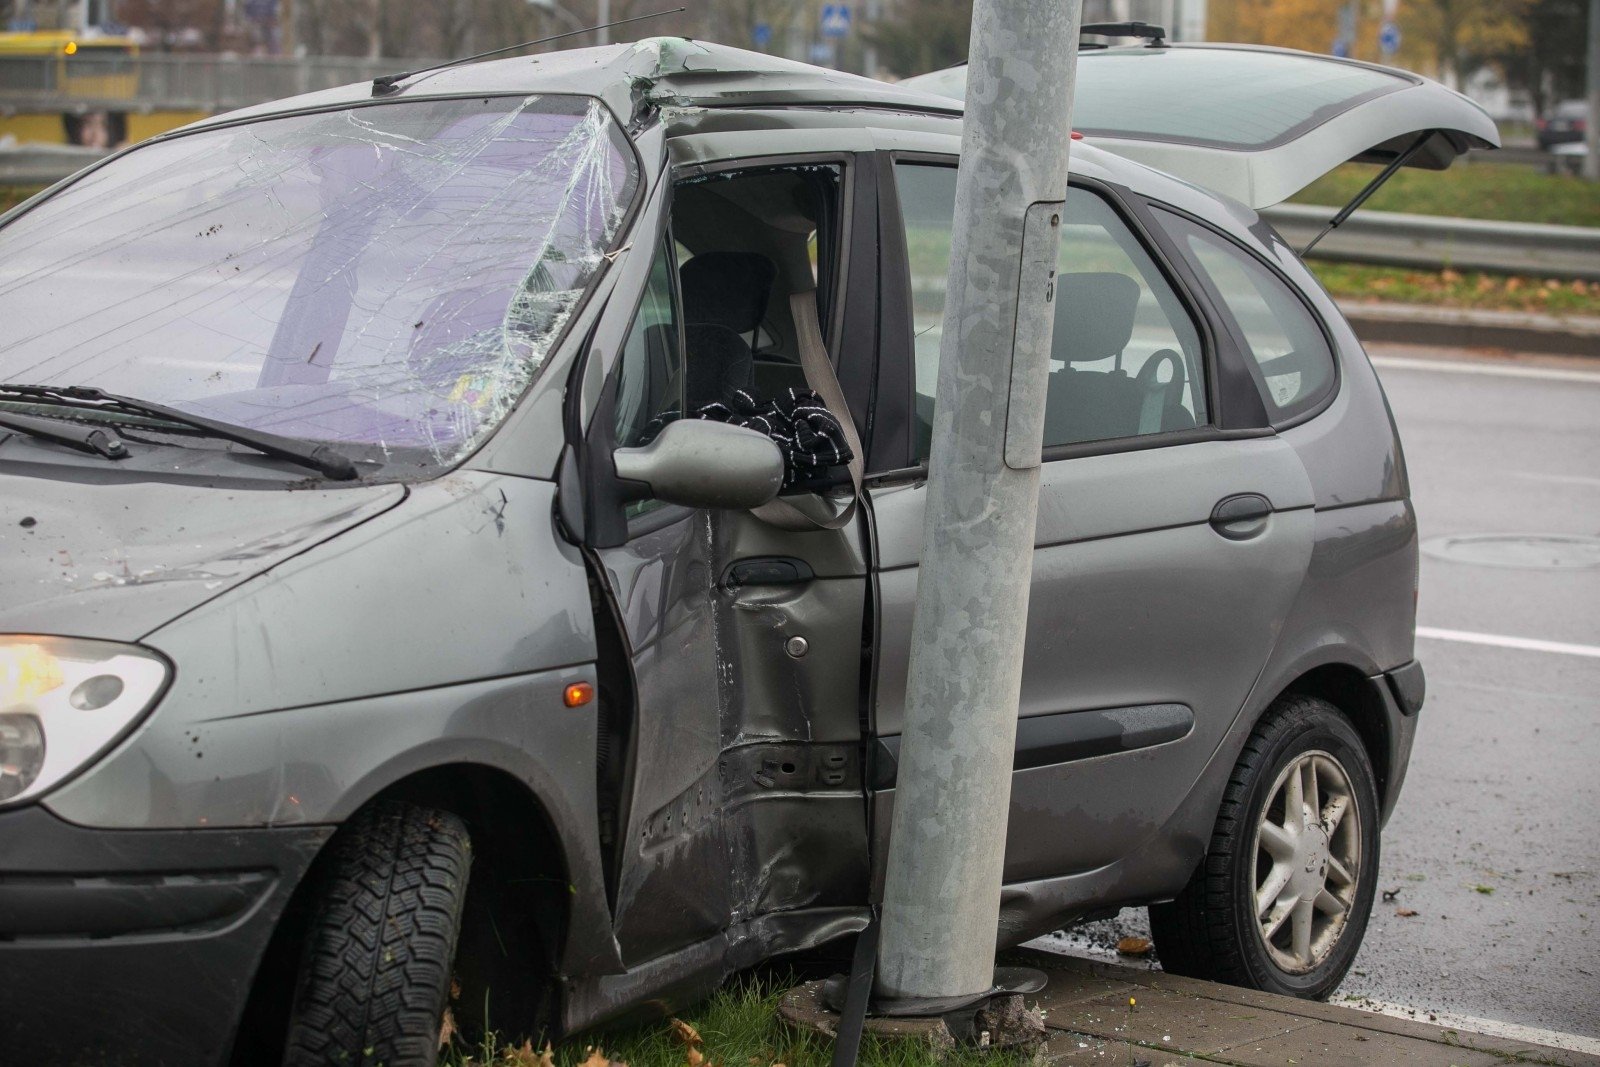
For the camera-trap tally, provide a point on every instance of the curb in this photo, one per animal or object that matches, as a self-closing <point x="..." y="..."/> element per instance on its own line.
<point x="1516" y="331"/>
<point x="1090" y="1020"/>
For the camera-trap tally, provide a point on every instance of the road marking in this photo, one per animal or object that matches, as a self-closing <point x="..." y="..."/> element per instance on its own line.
<point x="1450" y="366"/>
<point x="1526" y="643"/>
<point x="1559" y="479"/>
<point x="1473" y="1024"/>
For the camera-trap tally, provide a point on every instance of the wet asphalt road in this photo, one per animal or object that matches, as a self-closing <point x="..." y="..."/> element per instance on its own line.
<point x="1495" y="842"/>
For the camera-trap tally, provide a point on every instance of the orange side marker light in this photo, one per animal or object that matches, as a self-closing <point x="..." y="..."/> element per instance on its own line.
<point x="578" y="694"/>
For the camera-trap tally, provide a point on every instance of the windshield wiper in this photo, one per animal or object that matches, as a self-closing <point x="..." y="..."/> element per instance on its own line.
<point x="99" y="439"/>
<point x="320" y="458"/>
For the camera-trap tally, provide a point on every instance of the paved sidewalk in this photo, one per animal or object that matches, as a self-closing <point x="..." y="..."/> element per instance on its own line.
<point x="1181" y="1020"/>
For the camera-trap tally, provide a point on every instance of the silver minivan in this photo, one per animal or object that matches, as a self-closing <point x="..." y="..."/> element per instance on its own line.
<point x="396" y="611"/>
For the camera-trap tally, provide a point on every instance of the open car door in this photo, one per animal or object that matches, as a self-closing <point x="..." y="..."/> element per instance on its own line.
<point x="1258" y="124"/>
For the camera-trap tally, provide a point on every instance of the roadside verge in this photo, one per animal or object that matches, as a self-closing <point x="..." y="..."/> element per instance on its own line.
<point x="1446" y="327"/>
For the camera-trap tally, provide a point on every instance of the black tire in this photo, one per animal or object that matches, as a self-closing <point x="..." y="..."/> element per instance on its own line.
<point x="375" y="974"/>
<point x="1211" y="930"/>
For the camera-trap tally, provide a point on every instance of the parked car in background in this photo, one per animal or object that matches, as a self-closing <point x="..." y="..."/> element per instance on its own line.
<point x="390" y="618"/>
<point x="1567" y="123"/>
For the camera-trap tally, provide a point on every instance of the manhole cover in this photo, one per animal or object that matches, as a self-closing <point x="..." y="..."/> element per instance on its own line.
<point x="1543" y="551"/>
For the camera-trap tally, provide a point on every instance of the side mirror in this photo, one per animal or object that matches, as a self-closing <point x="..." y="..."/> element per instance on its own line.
<point x="704" y="464"/>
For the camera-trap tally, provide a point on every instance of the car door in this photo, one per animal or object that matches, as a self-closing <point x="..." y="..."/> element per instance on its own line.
<point x="1258" y="124"/>
<point x="1173" y="532"/>
<point x="730" y="648"/>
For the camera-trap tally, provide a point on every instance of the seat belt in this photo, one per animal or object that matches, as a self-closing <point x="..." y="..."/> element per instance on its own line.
<point x="818" y="370"/>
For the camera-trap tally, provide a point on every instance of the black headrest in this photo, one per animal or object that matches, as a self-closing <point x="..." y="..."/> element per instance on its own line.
<point x="727" y="289"/>
<point x="1094" y="315"/>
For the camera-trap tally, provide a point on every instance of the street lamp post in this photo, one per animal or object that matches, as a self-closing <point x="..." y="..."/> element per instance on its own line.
<point x="947" y="844"/>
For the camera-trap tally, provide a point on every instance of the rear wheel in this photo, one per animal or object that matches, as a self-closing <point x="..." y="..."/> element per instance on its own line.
<point x="1281" y="900"/>
<point x="375" y="975"/>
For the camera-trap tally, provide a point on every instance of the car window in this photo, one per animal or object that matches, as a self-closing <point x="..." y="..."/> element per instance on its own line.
<point x="1126" y="357"/>
<point x="1286" y="341"/>
<point x="390" y="278"/>
<point x="650" y="376"/>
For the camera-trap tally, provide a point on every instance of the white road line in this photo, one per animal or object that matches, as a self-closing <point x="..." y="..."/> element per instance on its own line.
<point x="1528" y="644"/>
<point x="1559" y="479"/>
<point x="1502" y="370"/>
<point x="1473" y="1024"/>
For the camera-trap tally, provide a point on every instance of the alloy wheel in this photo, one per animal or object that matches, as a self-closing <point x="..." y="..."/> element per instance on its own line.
<point x="1306" y="863"/>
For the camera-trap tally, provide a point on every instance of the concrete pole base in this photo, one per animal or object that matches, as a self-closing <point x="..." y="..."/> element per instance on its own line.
<point x="999" y="1019"/>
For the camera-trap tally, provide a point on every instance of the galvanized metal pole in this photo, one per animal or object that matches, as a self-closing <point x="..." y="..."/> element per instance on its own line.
<point x="1591" y="162"/>
<point x="947" y="845"/>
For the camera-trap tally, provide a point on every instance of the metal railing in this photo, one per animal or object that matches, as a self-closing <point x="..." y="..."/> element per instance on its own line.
<point x="181" y="82"/>
<point x="1435" y="242"/>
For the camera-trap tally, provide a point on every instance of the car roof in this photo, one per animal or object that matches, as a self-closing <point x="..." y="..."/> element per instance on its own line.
<point x="705" y="85"/>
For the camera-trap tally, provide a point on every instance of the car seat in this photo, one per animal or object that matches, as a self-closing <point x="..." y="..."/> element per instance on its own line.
<point x="1094" y="322"/>
<point x="725" y="296"/>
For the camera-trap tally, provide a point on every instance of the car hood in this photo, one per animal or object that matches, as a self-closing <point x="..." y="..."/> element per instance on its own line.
<point x="117" y="561"/>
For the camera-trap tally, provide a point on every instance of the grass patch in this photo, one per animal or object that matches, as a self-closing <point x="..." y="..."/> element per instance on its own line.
<point x="1356" y="283"/>
<point x="1479" y="191"/>
<point x="12" y="195"/>
<point x="739" y="1027"/>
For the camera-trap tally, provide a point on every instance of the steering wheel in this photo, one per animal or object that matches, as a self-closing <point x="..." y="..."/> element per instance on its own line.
<point x="1162" y="394"/>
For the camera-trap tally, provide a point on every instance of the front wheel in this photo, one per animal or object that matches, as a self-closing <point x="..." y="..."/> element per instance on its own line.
<point x="375" y="974"/>
<point x="1281" y="900"/>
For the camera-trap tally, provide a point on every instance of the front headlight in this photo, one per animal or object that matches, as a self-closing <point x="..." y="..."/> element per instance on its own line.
<point x="65" y="701"/>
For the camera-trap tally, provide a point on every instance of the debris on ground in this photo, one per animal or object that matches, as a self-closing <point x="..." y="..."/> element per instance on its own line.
<point x="1133" y="946"/>
<point x="1406" y="913"/>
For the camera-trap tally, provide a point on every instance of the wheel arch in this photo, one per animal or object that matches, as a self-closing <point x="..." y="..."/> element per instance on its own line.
<point x="519" y="911"/>
<point x="1362" y="700"/>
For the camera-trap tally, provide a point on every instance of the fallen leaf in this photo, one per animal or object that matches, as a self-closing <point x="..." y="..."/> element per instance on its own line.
<point x="686" y="1033"/>
<point x="1486" y="890"/>
<point x="1405" y="913"/>
<point x="447" y="1028"/>
<point x="524" y="1056"/>
<point x="1133" y="946"/>
<point x="597" y="1058"/>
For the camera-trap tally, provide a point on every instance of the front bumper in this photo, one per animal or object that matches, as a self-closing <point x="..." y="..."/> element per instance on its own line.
<point x="135" y="947"/>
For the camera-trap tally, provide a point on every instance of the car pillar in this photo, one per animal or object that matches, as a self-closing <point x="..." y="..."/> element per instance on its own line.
<point x="947" y="843"/>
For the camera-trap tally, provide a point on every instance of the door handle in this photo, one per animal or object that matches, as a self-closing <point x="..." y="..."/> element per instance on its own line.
<point x="767" y="570"/>
<point x="1241" y="517"/>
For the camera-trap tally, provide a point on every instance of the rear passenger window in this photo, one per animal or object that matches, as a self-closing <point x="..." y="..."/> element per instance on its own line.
<point x="1289" y="346"/>
<point x="1126" y="359"/>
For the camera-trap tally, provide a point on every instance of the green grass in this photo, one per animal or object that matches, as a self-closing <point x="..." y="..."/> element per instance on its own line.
<point x="1506" y="193"/>
<point x="739" y="1027"/>
<point x="12" y="195"/>
<point x="1356" y="283"/>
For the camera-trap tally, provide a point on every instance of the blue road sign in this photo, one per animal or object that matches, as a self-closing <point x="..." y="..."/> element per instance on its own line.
<point x="761" y="34"/>
<point x="1389" y="38"/>
<point x="821" y="53"/>
<point x="835" y="20"/>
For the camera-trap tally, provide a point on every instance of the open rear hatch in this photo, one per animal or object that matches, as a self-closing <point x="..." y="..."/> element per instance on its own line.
<point x="1259" y="124"/>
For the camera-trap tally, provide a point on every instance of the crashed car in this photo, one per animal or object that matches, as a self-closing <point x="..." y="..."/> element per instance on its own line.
<point x="396" y="614"/>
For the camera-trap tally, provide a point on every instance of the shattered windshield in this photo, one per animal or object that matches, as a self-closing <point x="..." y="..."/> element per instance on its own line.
<point x="389" y="276"/>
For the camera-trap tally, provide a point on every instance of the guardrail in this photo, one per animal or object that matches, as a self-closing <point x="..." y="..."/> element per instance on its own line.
<point x="1433" y="242"/>
<point x="179" y="82"/>
<point x="44" y="164"/>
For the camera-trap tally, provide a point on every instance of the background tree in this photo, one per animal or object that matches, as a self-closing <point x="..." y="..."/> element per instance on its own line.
<point x="916" y="36"/>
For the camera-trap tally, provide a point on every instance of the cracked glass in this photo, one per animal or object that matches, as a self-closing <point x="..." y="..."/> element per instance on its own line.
<point x="388" y="278"/>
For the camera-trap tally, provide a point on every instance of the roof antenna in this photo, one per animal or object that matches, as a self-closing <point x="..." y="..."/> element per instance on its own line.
<point x="390" y="83"/>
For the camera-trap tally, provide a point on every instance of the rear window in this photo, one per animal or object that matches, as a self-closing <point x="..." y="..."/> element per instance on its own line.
<point x="1290" y="350"/>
